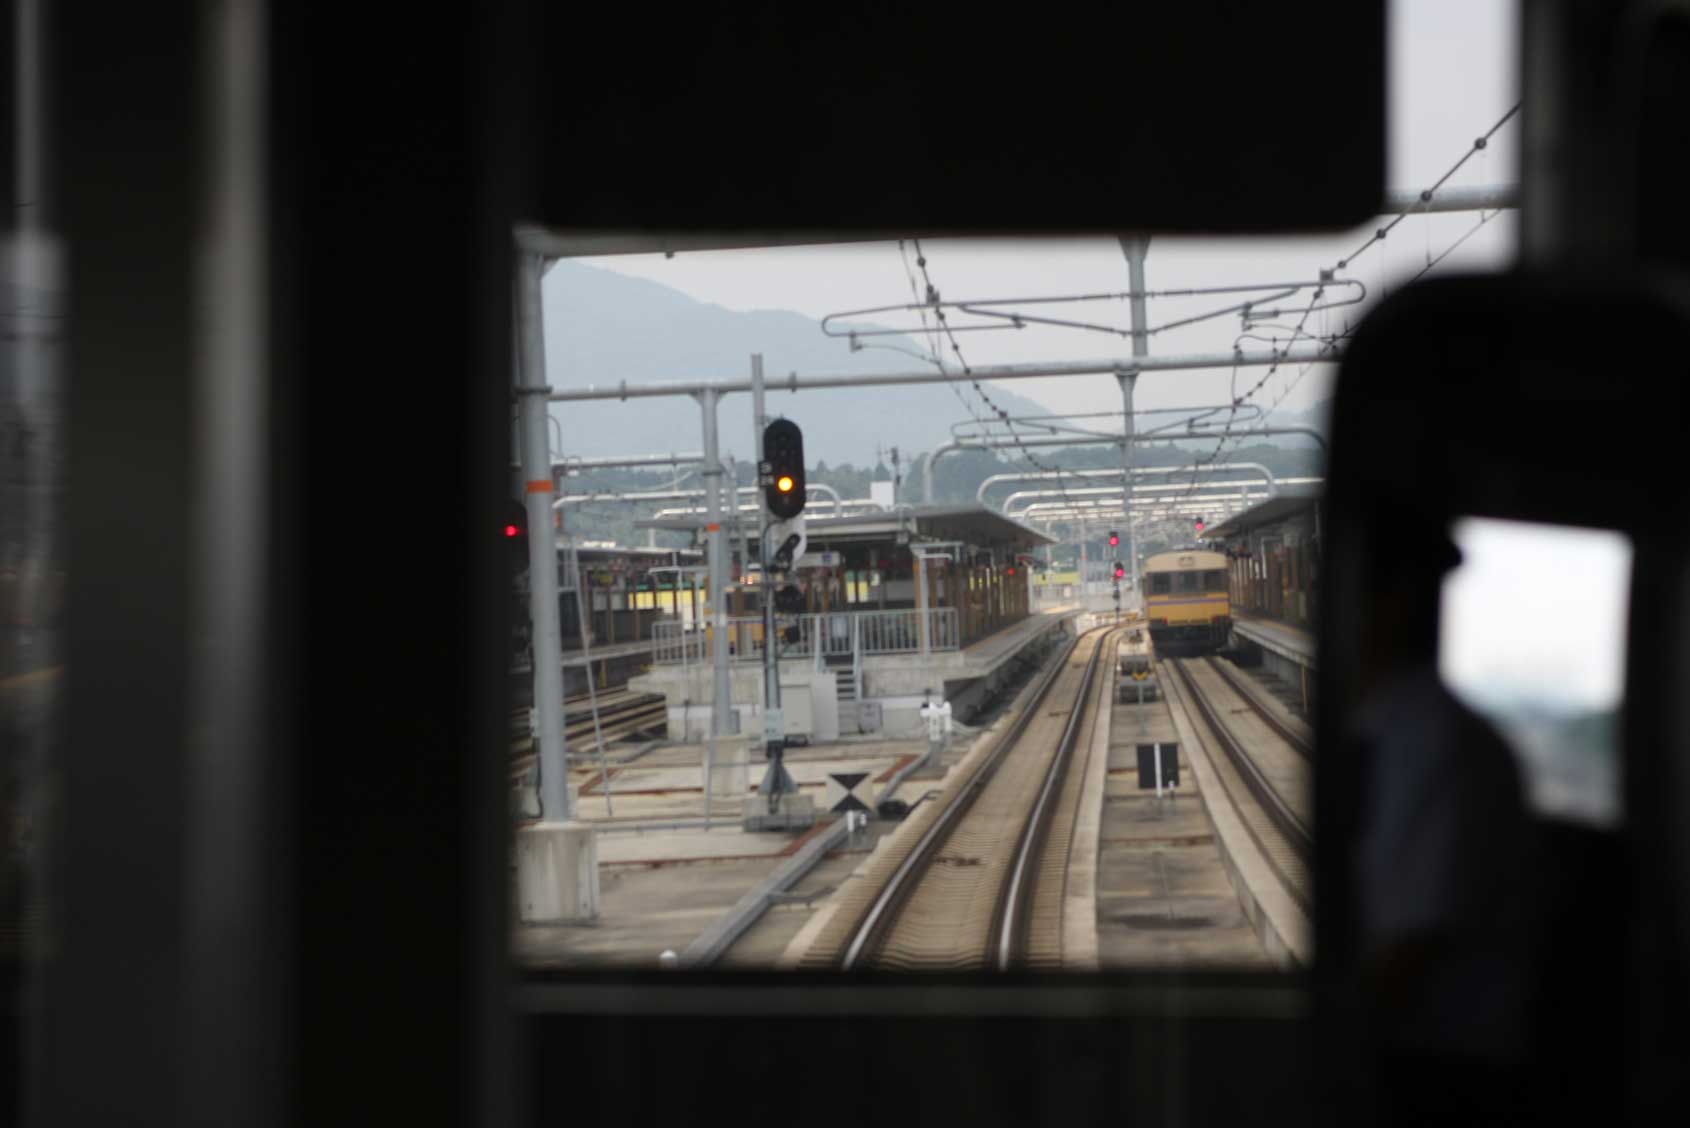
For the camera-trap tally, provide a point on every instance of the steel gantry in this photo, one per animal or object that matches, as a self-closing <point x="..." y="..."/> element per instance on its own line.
<point x="1209" y="469"/>
<point x="1002" y="442"/>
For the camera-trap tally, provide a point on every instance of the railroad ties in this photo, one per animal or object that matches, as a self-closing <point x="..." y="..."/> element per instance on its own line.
<point x="1263" y="760"/>
<point x="622" y="713"/>
<point x="975" y="879"/>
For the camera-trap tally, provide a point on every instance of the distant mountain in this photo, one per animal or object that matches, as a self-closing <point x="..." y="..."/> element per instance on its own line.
<point x="605" y="328"/>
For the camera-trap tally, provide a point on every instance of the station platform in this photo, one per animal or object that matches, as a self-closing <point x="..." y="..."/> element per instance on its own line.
<point x="1288" y="652"/>
<point x="980" y="659"/>
<point x="985" y="656"/>
<point x="1293" y="644"/>
<point x="641" y="648"/>
<point x="974" y="675"/>
<point x="613" y="665"/>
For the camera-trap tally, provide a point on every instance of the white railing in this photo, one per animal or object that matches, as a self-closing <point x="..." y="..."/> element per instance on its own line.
<point x="899" y="632"/>
<point x="832" y="634"/>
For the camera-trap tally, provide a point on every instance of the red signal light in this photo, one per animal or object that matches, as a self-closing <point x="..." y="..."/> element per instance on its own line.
<point x="1012" y="569"/>
<point x="516" y="537"/>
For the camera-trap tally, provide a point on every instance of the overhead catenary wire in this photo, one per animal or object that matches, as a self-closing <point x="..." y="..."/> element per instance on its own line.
<point x="1479" y="145"/>
<point x="933" y="297"/>
<point x="1020" y="319"/>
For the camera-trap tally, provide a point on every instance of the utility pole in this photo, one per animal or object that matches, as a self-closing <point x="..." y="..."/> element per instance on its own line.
<point x="721" y="699"/>
<point x="531" y="391"/>
<point x="1136" y="247"/>
<point x="557" y="860"/>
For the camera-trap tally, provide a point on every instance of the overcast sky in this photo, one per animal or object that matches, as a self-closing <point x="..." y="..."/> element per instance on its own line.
<point x="1452" y="73"/>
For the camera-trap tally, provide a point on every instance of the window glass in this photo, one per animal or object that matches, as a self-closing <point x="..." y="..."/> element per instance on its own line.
<point x="1533" y="637"/>
<point x="670" y="774"/>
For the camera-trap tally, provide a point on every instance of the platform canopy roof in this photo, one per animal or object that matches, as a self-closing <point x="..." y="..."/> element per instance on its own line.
<point x="598" y="552"/>
<point x="971" y="524"/>
<point x="1290" y="501"/>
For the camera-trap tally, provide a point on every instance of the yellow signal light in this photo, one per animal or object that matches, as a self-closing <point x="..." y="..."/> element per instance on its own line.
<point x="784" y="483"/>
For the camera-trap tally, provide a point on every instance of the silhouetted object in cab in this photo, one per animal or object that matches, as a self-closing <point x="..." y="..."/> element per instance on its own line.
<point x="1443" y="863"/>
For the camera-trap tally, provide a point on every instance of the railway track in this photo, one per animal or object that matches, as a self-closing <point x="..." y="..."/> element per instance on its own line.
<point x="978" y="878"/>
<point x="622" y="712"/>
<point x="1263" y="765"/>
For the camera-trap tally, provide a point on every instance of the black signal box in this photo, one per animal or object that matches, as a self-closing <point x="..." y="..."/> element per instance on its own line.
<point x="783" y="468"/>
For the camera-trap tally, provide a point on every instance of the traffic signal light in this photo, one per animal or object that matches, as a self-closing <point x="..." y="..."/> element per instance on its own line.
<point x="1199" y="524"/>
<point x="1120" y="572"/>
<point x="1114" y="539"/>
<point x="515" y="532"/>
<point x="783" y="468"/>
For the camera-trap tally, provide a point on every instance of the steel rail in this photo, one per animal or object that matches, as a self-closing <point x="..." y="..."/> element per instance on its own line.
<point x="869" y="934"/>
<point x="1012" y="914"/>
<point x="1278" y="811"/>
<point x="1294" y="739"/>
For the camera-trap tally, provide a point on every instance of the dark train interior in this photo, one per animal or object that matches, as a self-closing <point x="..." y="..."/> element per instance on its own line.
<point x="301" y="918"/>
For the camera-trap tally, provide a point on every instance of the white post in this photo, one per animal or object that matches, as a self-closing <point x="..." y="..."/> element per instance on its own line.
<point x="1136" y="247"/>
<point x="921" y="600"/>
<point x="721" y="700"/>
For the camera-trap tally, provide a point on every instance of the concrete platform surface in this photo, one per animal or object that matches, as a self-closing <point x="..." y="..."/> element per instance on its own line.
<point x="986" y="655"/>
<point x="1287" y="641"/>
<point x="1164" y="898"/>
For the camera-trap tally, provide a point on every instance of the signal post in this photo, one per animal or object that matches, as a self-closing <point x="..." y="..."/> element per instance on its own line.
<point x="780" y="542"/>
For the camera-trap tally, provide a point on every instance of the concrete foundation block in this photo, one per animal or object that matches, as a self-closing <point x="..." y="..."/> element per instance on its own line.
<point x="793" y="812"/>
<point x="731" y="770"/>
<point x="525" y="796"/>
<point x="557" y="873"/>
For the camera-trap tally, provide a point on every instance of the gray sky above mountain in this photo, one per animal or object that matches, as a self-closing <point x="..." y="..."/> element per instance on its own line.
<point x="603" y="327"/>
<point x="1452" y="74"/>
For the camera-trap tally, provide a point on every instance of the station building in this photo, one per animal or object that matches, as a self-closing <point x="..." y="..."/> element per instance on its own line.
<point x="898" y="603"/>
<point x="626" y="591"/>
<point x="1273" y="568"/>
